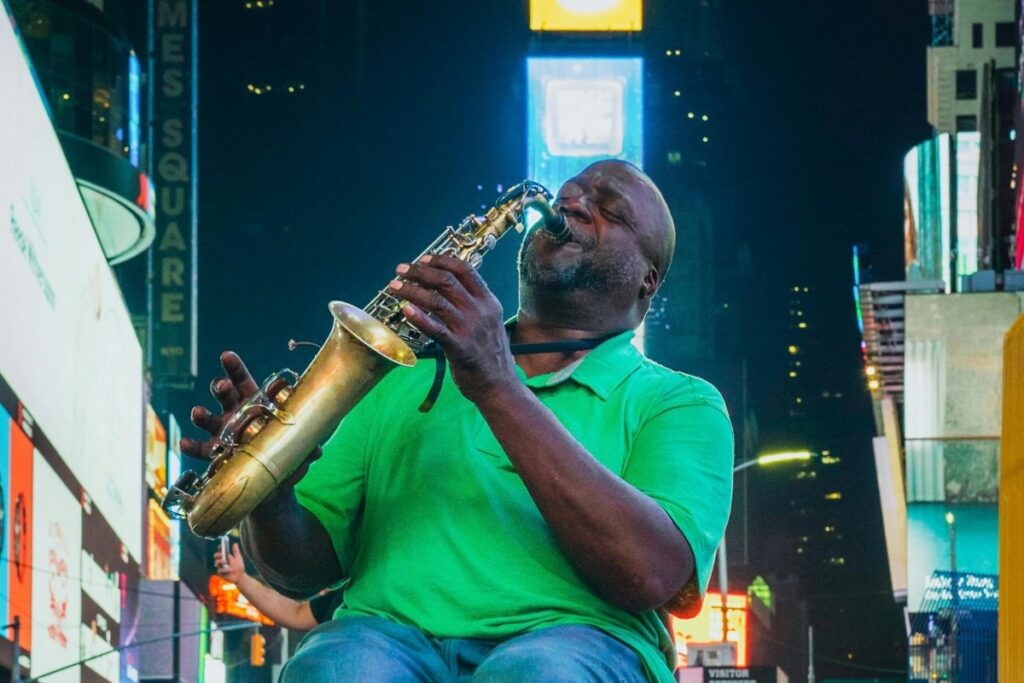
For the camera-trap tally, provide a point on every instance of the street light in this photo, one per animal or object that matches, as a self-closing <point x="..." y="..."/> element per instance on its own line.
<point x="773" y="459"/>
<point x="763" y="460"/>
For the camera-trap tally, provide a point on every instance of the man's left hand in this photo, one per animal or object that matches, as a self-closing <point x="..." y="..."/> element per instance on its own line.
<point x="465" y="318"/>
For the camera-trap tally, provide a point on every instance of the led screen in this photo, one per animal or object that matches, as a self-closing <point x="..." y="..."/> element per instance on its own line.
<point x="976" y="537"/>
<point x="926" y="210"/>
<point x="57" y="593"/>
<point x="580" y="111"/>
<point x="706" y="627"/>
<point x="586" y="15"/>
<point x="968" y="162"/>
<point x="68" y="351"/>
<point x="173" y="472"/>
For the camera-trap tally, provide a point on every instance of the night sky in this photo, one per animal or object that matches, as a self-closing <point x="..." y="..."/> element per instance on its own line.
<point x="409" y="107"/>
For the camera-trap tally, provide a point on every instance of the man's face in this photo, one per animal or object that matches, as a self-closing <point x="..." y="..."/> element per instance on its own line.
<point x="606" y="221"/>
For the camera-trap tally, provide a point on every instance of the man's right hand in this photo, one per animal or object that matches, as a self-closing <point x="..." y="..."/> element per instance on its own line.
<point x="231" y="390"/>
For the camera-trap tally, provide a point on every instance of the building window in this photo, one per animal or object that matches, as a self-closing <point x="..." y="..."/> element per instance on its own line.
<point x="1006" y="34"/>
<point x="976" y="35"/>
<point x="966" y="84"/>
<point x="966" y="124"/>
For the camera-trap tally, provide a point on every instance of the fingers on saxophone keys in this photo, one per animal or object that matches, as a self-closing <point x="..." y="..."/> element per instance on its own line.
<point x="440" y="279"/>
<point x="465" y="274"/>
<point x="239" y="375"/>
<point x="199" y="450"/>
<point x="205" y="420"/>
<point x="430" y="300"/>
<point x="225" y="393"/>
<point x="429" y="325"/>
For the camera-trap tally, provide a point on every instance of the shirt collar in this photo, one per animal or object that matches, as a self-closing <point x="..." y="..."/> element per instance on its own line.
<point x="601" y="370"/>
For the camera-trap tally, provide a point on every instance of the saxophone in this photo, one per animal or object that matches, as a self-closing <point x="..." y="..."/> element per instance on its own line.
<point x="276" y="428"/>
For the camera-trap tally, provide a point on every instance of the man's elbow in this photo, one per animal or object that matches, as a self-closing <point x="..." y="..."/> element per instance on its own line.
<point x="648" y="592"/>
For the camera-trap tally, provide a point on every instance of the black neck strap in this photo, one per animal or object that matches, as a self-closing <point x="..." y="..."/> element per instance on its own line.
<point x="434" y="350"/>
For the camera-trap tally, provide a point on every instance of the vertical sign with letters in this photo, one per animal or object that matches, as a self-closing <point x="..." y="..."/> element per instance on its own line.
<point x="172" y="133"/>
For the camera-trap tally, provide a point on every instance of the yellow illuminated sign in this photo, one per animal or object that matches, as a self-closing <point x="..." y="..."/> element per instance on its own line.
<point x="706" y="627"/>
<point x="586" y="15"/>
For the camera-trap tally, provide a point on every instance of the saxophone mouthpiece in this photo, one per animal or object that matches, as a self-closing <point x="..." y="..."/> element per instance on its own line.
<point x="551" y="220"/>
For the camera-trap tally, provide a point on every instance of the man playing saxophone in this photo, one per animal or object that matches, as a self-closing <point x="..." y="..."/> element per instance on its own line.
<point x="531" y="525"/>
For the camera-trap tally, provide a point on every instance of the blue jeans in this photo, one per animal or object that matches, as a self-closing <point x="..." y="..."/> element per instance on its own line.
<point x="375" y="649"/>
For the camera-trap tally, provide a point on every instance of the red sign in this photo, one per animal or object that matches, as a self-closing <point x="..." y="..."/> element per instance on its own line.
<point x="229" y="600"/>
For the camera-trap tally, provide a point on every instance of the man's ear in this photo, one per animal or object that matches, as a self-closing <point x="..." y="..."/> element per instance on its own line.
<point x="651" y="282"/>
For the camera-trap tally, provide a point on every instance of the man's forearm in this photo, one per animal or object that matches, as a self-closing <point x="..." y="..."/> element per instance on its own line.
<point x="618" y="539"/>
<point x="289" y="546"/>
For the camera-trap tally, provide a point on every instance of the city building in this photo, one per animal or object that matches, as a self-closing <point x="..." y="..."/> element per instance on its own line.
<point x="932" y="346"/>
<point x="973" y="43"/>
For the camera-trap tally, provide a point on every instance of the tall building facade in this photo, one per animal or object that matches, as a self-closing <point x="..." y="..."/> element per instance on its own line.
<point x="933" y="347"/>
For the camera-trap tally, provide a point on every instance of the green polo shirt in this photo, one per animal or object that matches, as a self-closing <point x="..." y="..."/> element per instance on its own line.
<point x="436" y="529"/>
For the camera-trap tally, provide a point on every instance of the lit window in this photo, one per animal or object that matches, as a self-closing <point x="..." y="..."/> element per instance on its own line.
<point x="829" y="529"/>
<point x="704" y="117"/>
<point x="678" y="52"/>
<point x="675" y="158"/>
<point x="799" y="400"/>
<point x="792" y="373"/>
<point x="802" y="325"/>
<point x="834" y="495"/>
<point x="704" y="139"/>
<point x="668" y="53"/>
<point x="793" y="350"/>
<point x="829" y="460"/>
<point x="799" y="551"/>
<point x="690" y="114"/>
<point x="677" y="93"/>
<point x="291" y="88"/>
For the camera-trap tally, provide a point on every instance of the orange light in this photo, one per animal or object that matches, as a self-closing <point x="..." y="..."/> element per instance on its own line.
<point x="706" y="627"/>
<point x="229" y="600"/>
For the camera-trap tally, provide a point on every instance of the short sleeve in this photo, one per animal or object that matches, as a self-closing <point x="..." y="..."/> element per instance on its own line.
<point x="324" y="605"/>
<point x="682" y="458"/>
<point x="334" y="487"/>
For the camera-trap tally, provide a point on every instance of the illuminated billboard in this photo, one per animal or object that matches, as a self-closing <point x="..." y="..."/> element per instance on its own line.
<point x="926" y="210"/>
<point x="580" y="111"/>
<point x="968" y="165"/>
<point x="57" y="593"/>
<point x="586" y="15"/>
<point x="227" y="599"/>
<point x="69" y="352"/>
<point x="706" y="627"/>
<point x="952" y="417"/>
<point x="173" y="472"/>
<point x="156" y="455"/>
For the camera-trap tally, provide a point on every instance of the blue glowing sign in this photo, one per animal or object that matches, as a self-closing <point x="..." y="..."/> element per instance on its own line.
<point x="580" y="111"/>
<point x="134" y="117"/>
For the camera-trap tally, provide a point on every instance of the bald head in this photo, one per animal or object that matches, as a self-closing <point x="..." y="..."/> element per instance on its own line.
<point x="649" y="212"/>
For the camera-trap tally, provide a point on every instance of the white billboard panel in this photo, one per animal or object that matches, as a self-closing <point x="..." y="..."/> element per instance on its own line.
<point x="56" y="591"/>
<point x="67" y="347"/>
